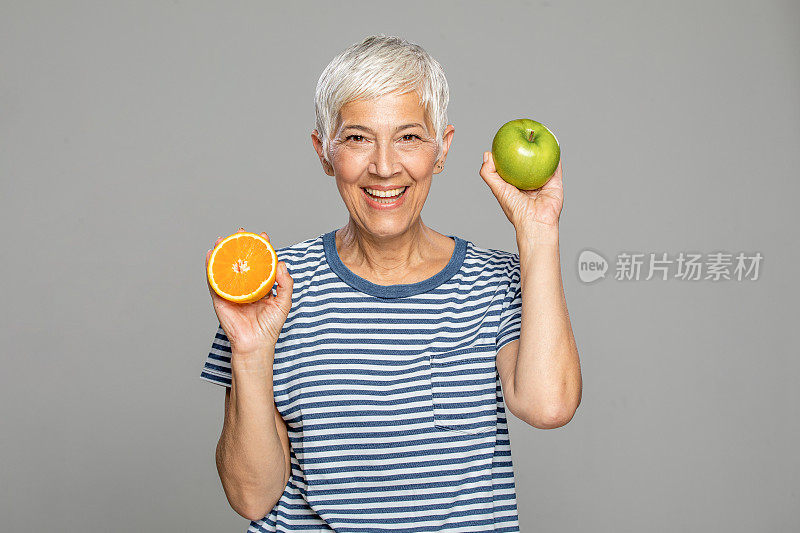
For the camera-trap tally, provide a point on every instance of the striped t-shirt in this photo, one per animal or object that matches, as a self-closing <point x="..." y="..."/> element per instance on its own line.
<point x="391" y="395"/>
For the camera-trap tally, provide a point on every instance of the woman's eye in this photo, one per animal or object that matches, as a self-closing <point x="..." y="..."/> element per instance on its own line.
<point x="406" y="137"/>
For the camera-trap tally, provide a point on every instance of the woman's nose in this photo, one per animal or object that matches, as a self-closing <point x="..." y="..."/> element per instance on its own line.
<point x="385" y="163"/>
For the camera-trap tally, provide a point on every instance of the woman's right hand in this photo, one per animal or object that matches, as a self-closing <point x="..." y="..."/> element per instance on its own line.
<point x="254" y="327"/>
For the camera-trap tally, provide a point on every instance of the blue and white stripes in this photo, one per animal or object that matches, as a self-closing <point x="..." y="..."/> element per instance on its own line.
<point x="391" y="395"/>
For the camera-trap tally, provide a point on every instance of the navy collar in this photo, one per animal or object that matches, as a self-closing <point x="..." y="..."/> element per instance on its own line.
<point x="392" y="291"/>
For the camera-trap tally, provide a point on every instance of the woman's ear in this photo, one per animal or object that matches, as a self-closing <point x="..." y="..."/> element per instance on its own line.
<point x="316" y="141"/>
<point x="449" y="131"/>
<point x="327" y="167"/>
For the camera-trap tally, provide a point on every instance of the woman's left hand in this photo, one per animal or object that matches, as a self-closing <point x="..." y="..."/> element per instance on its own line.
<point x="524" y="209"/>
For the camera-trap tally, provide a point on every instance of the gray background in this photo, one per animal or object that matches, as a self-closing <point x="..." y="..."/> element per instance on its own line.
<point x="132" y="134"/>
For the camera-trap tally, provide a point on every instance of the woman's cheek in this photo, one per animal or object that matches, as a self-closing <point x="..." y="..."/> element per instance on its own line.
<point x="351" y="166"/>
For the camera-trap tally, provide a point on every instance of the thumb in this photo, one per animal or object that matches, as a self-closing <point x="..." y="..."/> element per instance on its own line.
<point x="285" y="285"/>
<point x="489" y="174"/>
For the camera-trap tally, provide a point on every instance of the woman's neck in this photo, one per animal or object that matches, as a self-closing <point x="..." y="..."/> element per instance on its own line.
<point x="419" y="252"/>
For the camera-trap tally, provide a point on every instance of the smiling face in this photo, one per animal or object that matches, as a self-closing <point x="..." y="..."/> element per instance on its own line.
<point x="384" y="157"/>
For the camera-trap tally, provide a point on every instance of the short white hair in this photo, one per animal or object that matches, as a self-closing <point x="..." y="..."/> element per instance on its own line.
<point x="376" y="66"/>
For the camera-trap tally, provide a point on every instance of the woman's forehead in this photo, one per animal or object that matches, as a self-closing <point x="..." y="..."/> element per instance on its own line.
<point x="385" y="112"/>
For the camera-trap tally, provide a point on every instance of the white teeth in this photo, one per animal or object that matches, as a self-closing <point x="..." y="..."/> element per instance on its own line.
<point x="385" y="194"/>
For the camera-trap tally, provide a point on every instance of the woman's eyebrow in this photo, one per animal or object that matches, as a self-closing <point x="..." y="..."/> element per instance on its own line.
<point x="364" y="128"/>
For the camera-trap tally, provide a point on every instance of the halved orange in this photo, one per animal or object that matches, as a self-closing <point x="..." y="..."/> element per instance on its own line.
<point x="242" y="267"/>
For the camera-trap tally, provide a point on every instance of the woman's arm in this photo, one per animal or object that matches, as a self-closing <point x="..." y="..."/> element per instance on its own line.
<point x="253" y="450"/>
<point x="547" y="376"/>
<point x="540" y="372"/>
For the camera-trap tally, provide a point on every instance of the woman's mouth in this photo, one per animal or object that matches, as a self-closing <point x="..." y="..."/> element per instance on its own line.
<point x="385" y="199"/>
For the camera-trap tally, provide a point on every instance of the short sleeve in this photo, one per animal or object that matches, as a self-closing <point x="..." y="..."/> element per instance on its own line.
<point x="217" y="368"/>
<point x="511" y="313"/>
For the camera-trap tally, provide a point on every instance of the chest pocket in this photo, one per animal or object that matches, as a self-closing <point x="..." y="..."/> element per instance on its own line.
<point x="464" y="387"/>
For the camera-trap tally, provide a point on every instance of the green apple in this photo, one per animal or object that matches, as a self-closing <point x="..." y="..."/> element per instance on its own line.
<point x="525" y="153"/>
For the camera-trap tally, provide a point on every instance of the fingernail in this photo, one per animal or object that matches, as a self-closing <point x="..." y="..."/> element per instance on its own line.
<point x="485" y="157"/>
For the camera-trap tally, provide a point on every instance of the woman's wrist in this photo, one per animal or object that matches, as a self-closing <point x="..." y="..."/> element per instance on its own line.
<point x="256" y="361"/>
<point x="536" y="234"/>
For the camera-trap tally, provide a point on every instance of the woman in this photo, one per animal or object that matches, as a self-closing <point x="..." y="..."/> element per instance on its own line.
<point x="368" y="392"/>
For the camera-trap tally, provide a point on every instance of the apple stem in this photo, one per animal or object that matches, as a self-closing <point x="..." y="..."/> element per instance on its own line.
<point x="530" y="136"/>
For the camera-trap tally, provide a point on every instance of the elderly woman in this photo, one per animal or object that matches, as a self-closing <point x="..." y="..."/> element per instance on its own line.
<point x="368" y="392"/>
